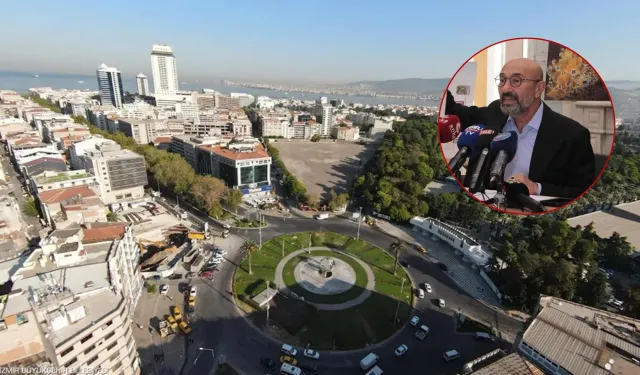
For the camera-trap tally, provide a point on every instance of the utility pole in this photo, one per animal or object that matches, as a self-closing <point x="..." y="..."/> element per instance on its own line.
<point x="260" y="228"/>
<point x="268" y="301"/>
<point x="395" y="321"/>
<point x="359" y="221"/>
<point x="309" y="249"/>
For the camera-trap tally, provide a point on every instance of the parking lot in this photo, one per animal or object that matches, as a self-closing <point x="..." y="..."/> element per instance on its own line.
<point x="323" y="166"/>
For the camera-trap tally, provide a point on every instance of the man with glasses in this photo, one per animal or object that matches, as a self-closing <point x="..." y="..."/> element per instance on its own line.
<point x="554" y="155"/>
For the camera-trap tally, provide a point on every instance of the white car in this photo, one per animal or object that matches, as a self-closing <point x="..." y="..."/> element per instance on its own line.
<point x="164" y="289"/>
<point x="441" y="303"/>
<point x="192" y="292"/>
<point x="221" y="252"/>
<point x="427" y="287"/>
<point x="310" y="353"/>
<point x="401" y="350"/>
<point x="215" y="261"/>
<point x="414" y="321"/>
<point x="226" y="226"/>
<point x="420" y="293"/>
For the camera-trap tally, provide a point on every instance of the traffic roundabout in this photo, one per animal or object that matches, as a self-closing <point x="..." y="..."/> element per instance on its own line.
<point x="328" y="290"/>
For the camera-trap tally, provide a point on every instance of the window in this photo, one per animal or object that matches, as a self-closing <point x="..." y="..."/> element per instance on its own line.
<point x="72" y="361"/>
<point x="92" y="359"/>
<point x="89" y="349"/>
<point x="86" y="338"/>
<point x="107" y="324"/>
<point x="66" y="351"/>
<point x="112" y="345"/>
<point x="116" y="366"/>
<point x="113" y="356"/>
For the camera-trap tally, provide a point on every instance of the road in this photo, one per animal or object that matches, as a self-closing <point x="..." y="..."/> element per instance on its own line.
<point x="223" y="328"/>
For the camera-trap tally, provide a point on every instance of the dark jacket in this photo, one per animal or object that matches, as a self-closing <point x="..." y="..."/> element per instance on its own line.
<point x="562" y="162"/>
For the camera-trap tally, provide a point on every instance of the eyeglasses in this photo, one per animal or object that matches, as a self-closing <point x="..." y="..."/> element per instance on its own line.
<point x="515" y="81"/>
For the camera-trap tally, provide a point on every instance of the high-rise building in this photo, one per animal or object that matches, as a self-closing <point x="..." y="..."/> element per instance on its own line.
<point x="142" y="83"/>
<point x="163" y="67"/>
<point x="109" y="85"/>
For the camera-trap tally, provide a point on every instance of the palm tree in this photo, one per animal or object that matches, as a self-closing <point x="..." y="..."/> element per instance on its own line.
<point x="396" y="247"/>
<point x="250" y="246"/>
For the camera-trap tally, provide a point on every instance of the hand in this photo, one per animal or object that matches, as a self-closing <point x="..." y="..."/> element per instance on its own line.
<point x="532" y="186"/>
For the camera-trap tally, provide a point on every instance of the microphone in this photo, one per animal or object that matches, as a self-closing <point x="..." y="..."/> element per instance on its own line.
<point x="504" y="147"/>
<point x="518" y="193"/>
<point x="482" y="164"/>
<point x="467" y="146"/>
<point x="448" y="128"/>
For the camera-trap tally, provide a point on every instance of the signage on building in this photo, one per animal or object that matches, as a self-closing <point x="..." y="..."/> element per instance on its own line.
<point x="257" y="190"/>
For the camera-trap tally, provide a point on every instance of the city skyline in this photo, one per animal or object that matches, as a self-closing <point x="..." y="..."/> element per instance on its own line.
<point x="286" y="43"/>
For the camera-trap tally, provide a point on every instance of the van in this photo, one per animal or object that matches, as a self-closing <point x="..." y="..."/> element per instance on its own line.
<point x="288" y="349"/>
<point x="375" y="371"/>
<point x="287" y="369"/>
<point x="451" y="355"/>
<point x="369" y="361"/>
<point x="482" y="336"/>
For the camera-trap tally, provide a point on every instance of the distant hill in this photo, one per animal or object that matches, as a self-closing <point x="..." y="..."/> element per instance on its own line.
<point x="623" y="84"/>
<point x="417" y="85"/>
<point x="626" y="102"/>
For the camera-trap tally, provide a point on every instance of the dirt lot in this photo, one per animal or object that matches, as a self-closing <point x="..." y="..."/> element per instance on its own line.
<point x="324" y="165"/>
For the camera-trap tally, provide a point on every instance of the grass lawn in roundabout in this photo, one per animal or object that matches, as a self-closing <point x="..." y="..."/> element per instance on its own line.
<point x="350" y="328"/>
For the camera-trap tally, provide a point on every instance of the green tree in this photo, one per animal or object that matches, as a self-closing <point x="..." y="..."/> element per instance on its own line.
<point x="233" y="199"/>
<point x="29" y="207"/>
<point x="112" y="216"/>
<point x="315" y="138"/>
<point x="250" y="246"/>
<point x="592" y="290"/>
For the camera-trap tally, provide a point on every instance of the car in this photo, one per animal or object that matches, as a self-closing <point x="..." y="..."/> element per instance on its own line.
<point x="414" y="321"/>
<point x="226" y="226"/>
<point x="164" y="289"/>
<point x="206" y="274"/>
<point x="215" y="261"/>
<point x="191" y="311"/>
<point x="192" y="301"/>
<point x="405" y="264"/>
<point x="192" y="291"/>
<point x="420" y="293"/>
<point x="427" y="287"/>
<point x="441" y="303"/>
<point x="192" y="275"/>
<point x="185" y="328"/>
<point x="443" y="266"/>
<point x="177" y="313"/>
<point x="288" y="359"/>
<point x="269" y="363"/>
<point x="221" y="252"/>
<point x="172" y="322"/>
<point x="311" y="367"/>
<point x="175" y="276"/>
<point x="310" y="353"/>
<point x="399" y="352"/>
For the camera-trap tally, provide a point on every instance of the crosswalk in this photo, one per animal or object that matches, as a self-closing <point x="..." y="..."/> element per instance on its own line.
<point x="464" y="275"/>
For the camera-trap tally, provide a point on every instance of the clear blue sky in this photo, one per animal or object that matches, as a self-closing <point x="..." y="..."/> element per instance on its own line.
<point x="314" y="41"/>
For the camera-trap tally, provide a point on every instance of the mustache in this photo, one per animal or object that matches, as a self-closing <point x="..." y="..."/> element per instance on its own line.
<point x="509" y="95"/>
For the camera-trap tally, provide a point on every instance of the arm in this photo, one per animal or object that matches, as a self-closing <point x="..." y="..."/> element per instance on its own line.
<point x="580" y="169"/>
<point x="468" y="115"/>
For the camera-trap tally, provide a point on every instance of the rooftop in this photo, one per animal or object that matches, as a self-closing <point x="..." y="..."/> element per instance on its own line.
<point x="512" y="364"/>
<point x="258" y="152"/>
<point x="51" y="177"/>
<point x="95" y="253"/>
<point x="624" y="219"/>
<point x="61" y="195"/>
<point x="100" y="232"/>
<point x="583" y="339"/>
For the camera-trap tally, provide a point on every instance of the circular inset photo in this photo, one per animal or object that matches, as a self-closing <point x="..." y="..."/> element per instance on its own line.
<point x="526" y="126"/>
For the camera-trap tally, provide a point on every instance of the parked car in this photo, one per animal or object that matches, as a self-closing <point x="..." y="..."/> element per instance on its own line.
<point x="269" y="363"/>
<point x="427" y="287"/>
<point x="177" y="313"/>
<point x="420" y="293"/>
<point x="192" y="291"/>
<point x="310" y="353"/>
<point x="399" y="352"/>
<point x="441" y="303"/>
<point x="414" y="321"/>
<point x="310" y="367"/>
<point x="192" y="275"/>
<point x="288" y="359"/>
<point x="175" y="276"/>
<point x="164" y="289"/>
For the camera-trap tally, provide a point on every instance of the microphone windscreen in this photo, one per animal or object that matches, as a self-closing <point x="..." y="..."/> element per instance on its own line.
<point x="485" y="138"/>
<point x="507" y="142"/>
<point x="448" y="128"/>
<point x="469" y="138"/>
<point x="513" y="189"/>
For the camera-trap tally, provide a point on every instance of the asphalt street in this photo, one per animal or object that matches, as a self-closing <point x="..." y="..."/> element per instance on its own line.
<point x="222" y="328"/>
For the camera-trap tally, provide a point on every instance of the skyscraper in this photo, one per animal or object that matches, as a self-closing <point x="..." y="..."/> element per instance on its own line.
<point x="142" y="83"/>
<point x="109" y="85"/>
<point x="163" y="67"/>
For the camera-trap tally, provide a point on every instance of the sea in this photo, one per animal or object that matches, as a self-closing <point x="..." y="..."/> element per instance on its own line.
<point x="22" y="82"/>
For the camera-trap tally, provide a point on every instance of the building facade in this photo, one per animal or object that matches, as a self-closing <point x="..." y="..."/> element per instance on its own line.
<point x="110" y="86"/>
<point x="142" y="85"/>
<point x="164" y="70"/>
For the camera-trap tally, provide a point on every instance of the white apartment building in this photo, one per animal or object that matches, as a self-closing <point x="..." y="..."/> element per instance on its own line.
<point x="51" y="118"/>
<point x="72" y="301"/>
<point x="345" y="133"/>
<point x="274" y="124"/>
<point x="77" y="151"/>
<point x="77" y="107"/>
<point x="164" y="69"/>
<point x="110" y="85"/>
<point x="245" y="99"/>
<point x="98" y="115"/>
<point x="29" y="154"/>
<point x="363" y="118"/>
<point x="121" y="174"/>
<point x="265" y="102"/>
<point x="188" y="111"/>
<point x="142" y="84"/>
<point x="144" y="131"/>
<point x="49" y="180"/>
<point x="327" y="120"/>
